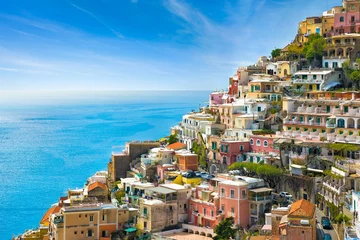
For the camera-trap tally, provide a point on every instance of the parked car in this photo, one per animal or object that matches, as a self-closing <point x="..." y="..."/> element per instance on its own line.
<point x="285" y="195"/>
<point x="327" y="236"/>
<point x="210" y="177"/>
<point x="325" y="222"/>
<point x="197" y="173"/>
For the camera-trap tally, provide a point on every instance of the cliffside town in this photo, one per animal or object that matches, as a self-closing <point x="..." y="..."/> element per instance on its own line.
<point x="276" y="154"/>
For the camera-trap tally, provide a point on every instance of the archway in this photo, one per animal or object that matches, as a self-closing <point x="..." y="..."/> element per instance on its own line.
<point x="285" y="72"/>
<point x="209" y="235"/>
<point x="340" y="52"/>
<point x="348" y="51"/>
<point x="350" y="123"/>
<point x="213" y="169"/>
<point x="341" y="123"/>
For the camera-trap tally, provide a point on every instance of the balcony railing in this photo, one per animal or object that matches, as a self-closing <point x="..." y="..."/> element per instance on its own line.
<point x="260" y="198"/>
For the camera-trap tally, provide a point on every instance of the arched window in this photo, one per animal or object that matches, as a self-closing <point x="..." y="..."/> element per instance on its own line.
<point x="265" y="143"/>
<point x="258" y="142"/>
<point x="341" y="19"/>
<point x="341" y="123"/>
<point x="252" y="141"/>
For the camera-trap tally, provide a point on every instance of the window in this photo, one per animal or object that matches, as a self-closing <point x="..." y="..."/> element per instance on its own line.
<point x="223" y="192"/>
<point x="258" y="142"/>
<point x="214" y="155"/>
<point x="91" y="218"/>
<point x="79" y="215"/>
<point x="222" y="207"/>
<point x="204" y="211"/>
<point x="104" y="217"/>
<point x="314" y="77"/>
<point x="232" y="193"/>
<point x="224" y="160"/>
<point x="278" y="218"/>
<point x="232" y="211"/>
<point x="104" y="233"/>
<point x="145" y="225"/>
<point x="243" y="193"/>
<point x="341" y="19"/>
<point x="241" y="147"/>
<point x="75" y="232"/>
<point x="184" y="206"/>
<point x="90" y="233"/>
<point x="170" y="208"/>
<point x="265" y="143"/>
<point x="252" y="141"/>
<point x="82" y="232"/>
<point x="145" y="211"/>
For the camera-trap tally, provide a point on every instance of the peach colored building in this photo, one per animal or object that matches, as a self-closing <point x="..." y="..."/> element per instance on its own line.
<point x="90" y="221"/>
<point x="300" y="223"/>
<point x="234" y="201"/>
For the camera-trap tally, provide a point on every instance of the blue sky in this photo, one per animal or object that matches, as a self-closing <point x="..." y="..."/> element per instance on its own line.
<point x="140" y="44"/>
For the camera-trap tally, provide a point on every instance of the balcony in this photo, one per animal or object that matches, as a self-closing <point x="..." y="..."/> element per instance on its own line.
<point x="330" y="125"/>
<point x="260" y="198"/>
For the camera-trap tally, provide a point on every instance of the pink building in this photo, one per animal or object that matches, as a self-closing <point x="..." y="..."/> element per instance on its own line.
<point x="234" y="201"/>
<point x="347" y="22"/>
<point x="204" y="208"/>
<point x="216" y="98"/>
<point x="162" y="170"/>
<point x="262" y="148"/>
<point x="233" y="151"/>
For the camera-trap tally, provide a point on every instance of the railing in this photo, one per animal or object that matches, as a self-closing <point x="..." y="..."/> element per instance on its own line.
<point x="196" y="229"/>
<point x="263" y="198"/>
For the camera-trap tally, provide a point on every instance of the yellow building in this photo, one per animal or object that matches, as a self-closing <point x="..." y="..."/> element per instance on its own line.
<point x="266" y="87"/>
<point x="323" y="25"/>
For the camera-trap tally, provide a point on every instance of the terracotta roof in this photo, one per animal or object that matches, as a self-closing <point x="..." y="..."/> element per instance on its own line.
<point x="177" y="145"/>
<point x="51" y="210"/>
<point x="64" y="198"/>
<point x="302" y="208"/>
<point x="95" y="185"/>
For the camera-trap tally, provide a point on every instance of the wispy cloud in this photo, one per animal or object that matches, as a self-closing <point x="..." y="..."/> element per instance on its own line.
<point x="97" y="19"/>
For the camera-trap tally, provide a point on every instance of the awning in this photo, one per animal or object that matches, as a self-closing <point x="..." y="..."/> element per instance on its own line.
<point x="263" y="189"/>
<point x="266" y="228"/>
<point x="130" y="230"/>
<point x="327" y="87"/>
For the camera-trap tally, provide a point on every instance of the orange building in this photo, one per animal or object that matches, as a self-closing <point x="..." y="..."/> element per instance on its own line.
<point x="186" y="160"/>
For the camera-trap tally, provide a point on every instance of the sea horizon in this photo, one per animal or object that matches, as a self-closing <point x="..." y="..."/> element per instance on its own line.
<point x="49" y="146"/>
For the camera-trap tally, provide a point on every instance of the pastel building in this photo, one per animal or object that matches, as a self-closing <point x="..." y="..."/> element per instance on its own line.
<point x="93" y="221"/>
<point x="234" y="201"/>
<point x="265" y="88"/>
<point x="242" y="113"/>
<point x="316" y="79"/>
<point x="232" y="151"/>
<point x="192" y="125"/>
<point x="340" y="48"/>
<point x="263" y="149"/>
<point x="204" y="207"/>
<point x="282" y="69"/>
<point x="157" y="156"/>
<point x="348" y="21"/>
<point x="216" y="98"/>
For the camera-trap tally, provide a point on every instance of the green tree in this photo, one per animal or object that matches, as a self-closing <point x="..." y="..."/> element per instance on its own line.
<point x="340" y="150"/>
<point x="314" y="48"/>
<point x="173" y="138"/>
<point x="355" y="78"/>
<point x="270" y="174"/>
<point x="275" y="53"/>
<point x="342" y="219"/>
<point x="295" y="50"/>
<point x="200" y="150"/>
<point x="224" y="230"/>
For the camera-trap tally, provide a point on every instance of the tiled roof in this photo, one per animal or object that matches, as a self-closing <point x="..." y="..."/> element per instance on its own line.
<point x="302" y="208"/>
<point x="51" y="210"/>
<point x="95" y="185"/>
<point x="177" y="145"/>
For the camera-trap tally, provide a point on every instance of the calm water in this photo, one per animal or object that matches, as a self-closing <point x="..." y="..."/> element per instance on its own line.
<point x="52" y="142"/>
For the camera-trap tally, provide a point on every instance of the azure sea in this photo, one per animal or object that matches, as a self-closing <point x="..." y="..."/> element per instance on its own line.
<point x="52" y="141"/>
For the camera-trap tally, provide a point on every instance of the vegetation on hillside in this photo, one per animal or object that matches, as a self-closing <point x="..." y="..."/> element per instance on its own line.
<point x="270" y="174"/>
